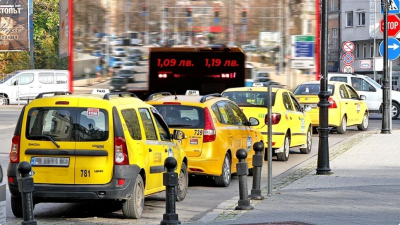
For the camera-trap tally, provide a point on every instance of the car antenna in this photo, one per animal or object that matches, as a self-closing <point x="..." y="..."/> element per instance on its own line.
<point x="176" y="97"/>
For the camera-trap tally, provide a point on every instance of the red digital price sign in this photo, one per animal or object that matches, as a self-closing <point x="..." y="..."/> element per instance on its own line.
<point x="204" y="69"/>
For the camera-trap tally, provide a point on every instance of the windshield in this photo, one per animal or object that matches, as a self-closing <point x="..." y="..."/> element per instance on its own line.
<point x="182" y="116"/>
<point x="311" y="89"/>
<point x="118" y="81"/>
<point x="373" y="82"/>
<point x="125" y="71"/>
<point x="250" y="98"/>
<point x="129" y="64"/>
<point x="5" y="78"/>
<point x="119" y="49"/>
<point x="118" y="59"/>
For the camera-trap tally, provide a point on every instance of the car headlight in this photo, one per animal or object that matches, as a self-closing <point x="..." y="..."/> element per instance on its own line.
<point x="111" y="87"/>
<point x="123" y="87"/>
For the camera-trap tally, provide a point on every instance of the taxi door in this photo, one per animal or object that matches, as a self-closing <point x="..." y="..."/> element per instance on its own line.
<point x="291" y="118"/>
<point x="300" y="117"/>
<point x="354" y="116"/>
<point x="156" y="152"/>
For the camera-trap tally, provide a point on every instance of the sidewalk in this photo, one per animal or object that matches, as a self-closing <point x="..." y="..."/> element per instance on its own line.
<point x="362" y="189"/>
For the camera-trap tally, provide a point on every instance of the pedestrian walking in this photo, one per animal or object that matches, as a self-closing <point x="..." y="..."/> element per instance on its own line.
<point x="262" y="59"/>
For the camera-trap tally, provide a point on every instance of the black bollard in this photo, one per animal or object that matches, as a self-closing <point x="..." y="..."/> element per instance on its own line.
<point x="257" y="166"/>
<point x="170" y="180"/>
<point x="25" y="186"/>
<point x="242" y="170"/>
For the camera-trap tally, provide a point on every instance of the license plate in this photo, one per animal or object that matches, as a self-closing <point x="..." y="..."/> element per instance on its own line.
<point x="50" y="161"/>
<point x="311" y="105"/>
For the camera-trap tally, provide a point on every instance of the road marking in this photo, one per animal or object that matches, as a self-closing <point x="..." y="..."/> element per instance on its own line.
<point x="6" y="126"/>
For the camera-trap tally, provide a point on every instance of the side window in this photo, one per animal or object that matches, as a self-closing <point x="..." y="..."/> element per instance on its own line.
<point x="239" y="115"/>
<point x="61" y="78"/>
<point x="162" y="127"/>
<point x="287" y="102"/>
<point x="148" y="124"/>
<point x="296" y="104"/>
<point x="352" y="92"/>
<point x="15" y="81"/>
<point x="361" y="85"/>
<point x="132" y="123"/>
<point x="26" y="78"/>
<point x="343" y="92"/>
<point x="216" y="112"/>
<point x="226" y="113"/>
<point x="46" y="78"/>
<point x="341" y="79"/>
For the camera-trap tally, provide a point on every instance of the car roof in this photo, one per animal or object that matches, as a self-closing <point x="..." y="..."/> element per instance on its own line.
<point x="317" y="82"/>
<point x="258" y="89"/>
<point x="345" y="74"/>
<point x="186" y="99"/>
<point x="41" y="70"/>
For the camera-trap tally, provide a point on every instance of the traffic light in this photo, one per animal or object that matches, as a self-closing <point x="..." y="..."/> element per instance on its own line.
<point x="189" y="12"/>
<point x="244" y="13"/>
<point x="144" y="8"/>
<point x="216" y="12"/>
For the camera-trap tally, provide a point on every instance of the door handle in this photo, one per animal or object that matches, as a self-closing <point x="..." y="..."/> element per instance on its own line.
<point x="166" y="150"/>
<point x="231" y="136"/>
<point x="346" y="103"/>
<point x="290" y="118"/>
<point x="150" y="150"/>
<point x="299" y="118"/>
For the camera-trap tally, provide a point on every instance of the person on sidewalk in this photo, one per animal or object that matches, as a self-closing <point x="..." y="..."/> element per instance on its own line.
<point x="262" y="60"/>
<point x="277" y="68"/>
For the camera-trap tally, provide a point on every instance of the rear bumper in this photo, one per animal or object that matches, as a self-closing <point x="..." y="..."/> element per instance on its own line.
<point x="334" y="118"/>
<point x="209" y="166"/>
<point x="77" y="193"/>
<point x="277" y="137"/>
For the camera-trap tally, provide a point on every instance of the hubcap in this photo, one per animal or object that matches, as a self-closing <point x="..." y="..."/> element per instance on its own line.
<point x="182" y="182"/>
<point x="227" y="170"/>
<point x="287" y="147"/>
<point x="344" y="124"/>
<point x="2" y="101"/>
<point x="309" y="140"/>
<point x="394" y="110"/>
<point x="365" y="121"/>
<point x="139" y="198"/>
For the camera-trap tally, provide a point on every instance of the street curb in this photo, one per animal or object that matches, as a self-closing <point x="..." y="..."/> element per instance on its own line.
<point x="226" y="209"/>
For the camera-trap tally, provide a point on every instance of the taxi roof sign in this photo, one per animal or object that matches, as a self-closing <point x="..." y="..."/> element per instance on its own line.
<point x="258" y="85"/>
<point x="100" y="91"/>
<point x="192" y="92"/>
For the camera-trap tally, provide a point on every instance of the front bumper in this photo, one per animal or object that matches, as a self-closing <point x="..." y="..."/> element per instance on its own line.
<point x="78" y="193"/>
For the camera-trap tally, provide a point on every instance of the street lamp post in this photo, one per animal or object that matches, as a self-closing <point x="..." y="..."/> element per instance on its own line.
<point x="323" y="104"/>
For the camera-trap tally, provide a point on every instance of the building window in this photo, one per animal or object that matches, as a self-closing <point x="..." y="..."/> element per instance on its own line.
<point x="364" y="50"/>
<point x="333" y="5"/>
<point x="349" y="19"/>
<point x="309" y="27"/>
<point x="357" y="50"/>
<point x="335" y="38"/>
<point x="371" y="49"/>
<point x="361" y="18"/>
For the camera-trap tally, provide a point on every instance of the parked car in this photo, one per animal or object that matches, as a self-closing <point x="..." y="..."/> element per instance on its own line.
<point x="135" y="53"/>
<point x="129" y="66"/>
<point x="119" y="52"/>
<point x="134" y="59"/>
<point x="215" y="127"/>
<point x="118" y="84"/>
<point x="116" y="62"/>
<point x="291" y="125"/>
<point x="366" y="86"/>
<point x="129" y="74"/>
<point x="347" y="107"/>
<point x="90" y="147"/>
<point x="249" y="48"/>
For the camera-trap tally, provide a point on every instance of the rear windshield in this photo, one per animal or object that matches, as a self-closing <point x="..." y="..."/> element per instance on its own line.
<point x="67" y="124"/>
<point x="182" y="116"/>
<point x="250" y="98"/>
<point x="118" y="81"/>
<point x="311" y="89"/>
<point x="125" y="72"/>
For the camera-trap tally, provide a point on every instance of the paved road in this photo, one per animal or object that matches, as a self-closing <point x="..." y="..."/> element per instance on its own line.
<point x="202" y="196"/>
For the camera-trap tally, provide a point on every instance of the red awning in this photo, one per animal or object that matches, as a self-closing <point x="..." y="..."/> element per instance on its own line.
<point x="216" y="29"/>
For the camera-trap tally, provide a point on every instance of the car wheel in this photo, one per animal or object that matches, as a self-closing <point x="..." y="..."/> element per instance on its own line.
<point x="395" y="110"/>
<point x="307" y="149"/>
<point x="365" y="123"/>
<point x="132" y="208"/>
<point x="183" y="183"/>
<point x="284" y="156"/>
<point x="343" y="126"/>
<point x="16" y="206"/>
<point x="225" y="179"/>
<point x="3" y="100"/>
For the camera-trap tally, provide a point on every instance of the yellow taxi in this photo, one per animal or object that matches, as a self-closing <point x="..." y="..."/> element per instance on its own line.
<point x="215" y="128"/>
<point x="105" y="147"/>
<point x="347" y="107"/>
<point x="291" y="126"/>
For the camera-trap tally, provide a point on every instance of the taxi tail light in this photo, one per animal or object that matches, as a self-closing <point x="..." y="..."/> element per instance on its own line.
<point x="209" y="129"/>
<point x="120" y="150"/>
<point x="275" y="118"/>
<point x="14" y="153"/>
<point x="171" y="103"/>
<point x="333" y="103"/>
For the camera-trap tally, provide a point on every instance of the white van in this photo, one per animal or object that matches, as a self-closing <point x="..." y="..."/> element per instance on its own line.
<point x="22" y="86"/>
<point x="366" y="86"/>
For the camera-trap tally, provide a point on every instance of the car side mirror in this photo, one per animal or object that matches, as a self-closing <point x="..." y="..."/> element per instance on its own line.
<point x="307" y="108"/>
<point x="253" y="121"/>
<point x="178" y="135"/>
<point x="363" y="97"/>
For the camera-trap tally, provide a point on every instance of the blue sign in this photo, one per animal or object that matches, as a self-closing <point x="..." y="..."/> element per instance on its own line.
<point x="304" y="49"/>
<point x="98" y="68"/>
<point x="244" y="20"/>
<point x="216" y="20"/>
<point x="189" y="20"/>
<point x="144" y="13"/>
<point x="393" y="48"/>
<point x="394" y="7"/>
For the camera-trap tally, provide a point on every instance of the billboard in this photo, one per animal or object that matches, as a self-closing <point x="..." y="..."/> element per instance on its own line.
<point x="269" y="39"/>
<point x="64" y="26"/>
<point x="14" y="25"/>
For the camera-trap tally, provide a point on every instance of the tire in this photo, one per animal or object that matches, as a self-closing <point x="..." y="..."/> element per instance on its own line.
<point x="343" y="126"/>
<point x="225" y="179"/>
<point x="16" y="206"/>
<point x="284" y="156"/>
<point x="307" y="149"/>
<point x="3" y="100"/>
<point x="365" y="123"/>
<point x="183" y="182"/>
<point x="395" y="110"/>
<point x="132" y="208"/>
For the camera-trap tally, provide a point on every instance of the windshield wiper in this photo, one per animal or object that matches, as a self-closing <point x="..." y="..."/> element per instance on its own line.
<point x="45" y="136"/>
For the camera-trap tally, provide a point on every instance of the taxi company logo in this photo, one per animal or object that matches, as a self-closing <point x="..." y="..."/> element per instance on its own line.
<point x="98" y="146"/>
<point x="34" y="144"/>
